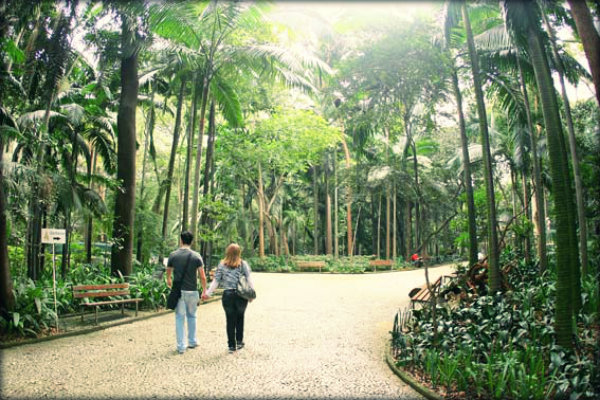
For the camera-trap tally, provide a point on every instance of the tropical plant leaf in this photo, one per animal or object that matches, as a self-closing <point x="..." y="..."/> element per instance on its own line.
<point x="228" y="101"/>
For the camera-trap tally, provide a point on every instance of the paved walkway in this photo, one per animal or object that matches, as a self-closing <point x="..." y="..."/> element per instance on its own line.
<point x="308" y="336"/>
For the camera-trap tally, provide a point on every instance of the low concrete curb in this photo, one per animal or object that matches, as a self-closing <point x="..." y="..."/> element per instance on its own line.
<point x="407" y="378"/>
<point x="94" y="328"/>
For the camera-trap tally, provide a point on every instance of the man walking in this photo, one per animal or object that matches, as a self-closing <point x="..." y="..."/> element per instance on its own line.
<point x="185" y="264"/>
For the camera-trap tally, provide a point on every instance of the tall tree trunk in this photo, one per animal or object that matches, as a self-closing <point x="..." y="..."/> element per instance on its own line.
<point x="188" y="159"/>
<point x="336" y="249"/>
<point x="408" y="231"/>
<point x="394" y="223"/>
<point x="7" y="300"/>
<point x="328" y="240"/>
<point x="348" y="199"/>
<point x="418" y="194"/>
<point x="122" y="250"/>
<point x="210" y="150"/>
<point x="539" y="217"/>
<point x="149" y="126"/>
<point x="388" y="217"/>
<point x="196" y="186"/>
<point x="315" y="210"/>
<point x="590" y="38"/>
<point x="379" y="226"/>
<point x="566" y="255"/>
<point x="261" y="215"/>
<point x="515" y="195"/>
<point x="466" y="164"/>
<point x="582" y="223"/>
<point x="171" y="167"/>
<point x="89" y="230"/>
<point x="208" y="168"/>
<point x="66" y="248"/>
<point x="494" y="276"/>
<point x="34" y="235"/>
<point x="526" y="211"/>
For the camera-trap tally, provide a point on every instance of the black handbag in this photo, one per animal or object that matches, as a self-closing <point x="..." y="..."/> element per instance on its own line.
<point x="175" y="293"/>
<point x="243" y="287"/>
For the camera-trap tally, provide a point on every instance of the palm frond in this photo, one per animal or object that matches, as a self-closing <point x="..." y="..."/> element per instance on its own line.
<point x="31" y="118"/>
<point x="228" y="100"/>
<point x="104" y="145"/>
<point x="74" y="112"/>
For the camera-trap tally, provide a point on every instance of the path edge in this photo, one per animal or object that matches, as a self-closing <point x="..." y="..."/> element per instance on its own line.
<point x="407" y="378"/>
<point x="93" y="328"/>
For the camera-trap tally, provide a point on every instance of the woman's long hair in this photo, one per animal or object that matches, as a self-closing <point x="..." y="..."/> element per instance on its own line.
<point x="233" y="257"/>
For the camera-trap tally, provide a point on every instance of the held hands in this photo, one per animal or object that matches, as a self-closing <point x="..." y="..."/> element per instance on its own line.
<point x="205" y="297"/>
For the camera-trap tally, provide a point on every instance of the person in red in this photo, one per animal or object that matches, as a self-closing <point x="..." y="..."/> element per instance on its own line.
<point x="416" y="260"/>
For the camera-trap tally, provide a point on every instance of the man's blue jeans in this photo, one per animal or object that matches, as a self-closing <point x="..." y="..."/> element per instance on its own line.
<point x="187" y="306"/>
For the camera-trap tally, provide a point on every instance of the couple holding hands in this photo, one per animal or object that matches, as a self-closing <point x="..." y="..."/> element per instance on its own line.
<point x="227" y="276"/>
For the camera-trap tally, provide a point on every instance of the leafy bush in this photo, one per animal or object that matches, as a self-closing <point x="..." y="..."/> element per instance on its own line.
<point x="269" y="264"/>
<point x="503" y="346"/>
<point x="146" y="286"/>
<point x="349" y="265"/>
<point x="34" y="307"/>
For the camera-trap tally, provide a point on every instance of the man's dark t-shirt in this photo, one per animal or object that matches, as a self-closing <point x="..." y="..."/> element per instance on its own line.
<point x="178" y="260"/>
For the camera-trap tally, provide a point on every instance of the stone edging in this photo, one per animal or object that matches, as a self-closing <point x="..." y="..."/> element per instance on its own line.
<point x="407" y="378"/>
<point x="93" y="328"/>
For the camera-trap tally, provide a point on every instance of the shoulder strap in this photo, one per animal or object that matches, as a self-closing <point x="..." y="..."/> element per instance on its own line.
<point x="187" y="263"/>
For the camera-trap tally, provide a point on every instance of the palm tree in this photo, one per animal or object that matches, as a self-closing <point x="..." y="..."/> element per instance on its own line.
<point x="590" y="38"/>
<point x="200" y="32"/>
<point x="6" y="298"/>
<point x="122" y="250"/>
<point x="581" y="219"/>
<point x="524" y="24"/>
<point x="451" y="15"/>
<point x="171" y="165"/>
<point x="493" y="249"/>
<point x="6" y="295"/>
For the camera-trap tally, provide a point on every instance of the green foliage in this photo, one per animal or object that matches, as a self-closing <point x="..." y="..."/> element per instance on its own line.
<point x="16" y="258"/>
<point x="503" y="346"/>
<point x="349" y="265"/>
<point x="270" y="264"/>
<point x="145" y="285"/>
<point x="34" y="307"/>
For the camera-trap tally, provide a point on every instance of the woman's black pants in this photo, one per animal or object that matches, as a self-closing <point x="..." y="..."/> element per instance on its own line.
<point x="235" y="307"/>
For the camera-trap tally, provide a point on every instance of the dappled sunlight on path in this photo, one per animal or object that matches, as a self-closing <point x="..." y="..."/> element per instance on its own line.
<point x="308" y="335"/>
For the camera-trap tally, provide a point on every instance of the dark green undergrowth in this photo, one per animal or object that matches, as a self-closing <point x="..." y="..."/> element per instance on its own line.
<point x="503" y="346"/>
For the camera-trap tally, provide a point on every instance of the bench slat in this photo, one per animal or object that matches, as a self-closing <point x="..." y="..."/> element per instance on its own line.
<point x="101" y="294"/>
<point x="424" y="295"/>
<point x="100" y="303"/>
<point x="102" y="287"/>
<point x="386" y="263"/>
<point x="310" y="264"/>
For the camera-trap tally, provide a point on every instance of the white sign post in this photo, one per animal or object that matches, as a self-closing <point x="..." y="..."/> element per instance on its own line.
<point x="53" y="236"/>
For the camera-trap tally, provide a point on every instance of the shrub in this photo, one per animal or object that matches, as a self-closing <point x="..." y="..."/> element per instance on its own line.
<point x="34" y="307"/>
<point x="269" y="264"/>
<point x="503" y="346"/>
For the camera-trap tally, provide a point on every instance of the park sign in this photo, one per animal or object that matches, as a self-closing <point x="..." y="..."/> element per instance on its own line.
<point x="54" y="236"/>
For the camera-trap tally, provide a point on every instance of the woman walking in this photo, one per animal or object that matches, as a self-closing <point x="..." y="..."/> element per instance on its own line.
<point x="227" y="276"/>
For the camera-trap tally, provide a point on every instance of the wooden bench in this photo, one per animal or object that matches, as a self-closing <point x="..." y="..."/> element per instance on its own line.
<point x="422" y="295"/>
<point x="311" y="264"/>
<point x="104" y="291"/>
<point x="381" y="263"/>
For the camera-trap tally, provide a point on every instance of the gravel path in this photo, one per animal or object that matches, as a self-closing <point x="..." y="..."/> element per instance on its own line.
<point x="308" y="336"/>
